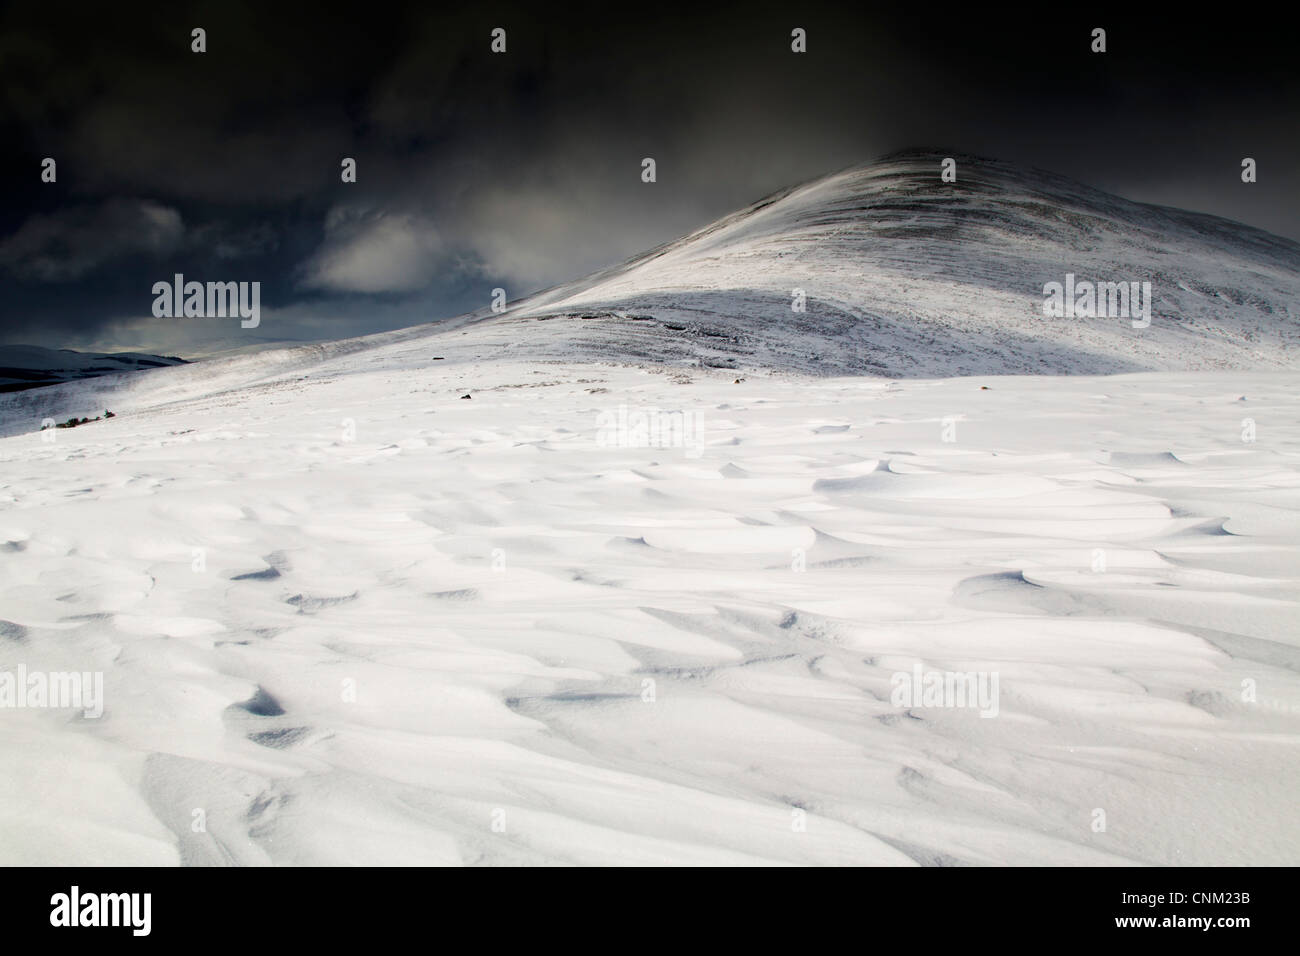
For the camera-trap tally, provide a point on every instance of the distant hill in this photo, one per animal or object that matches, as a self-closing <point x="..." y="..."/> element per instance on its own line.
<point x="30" y="366"/>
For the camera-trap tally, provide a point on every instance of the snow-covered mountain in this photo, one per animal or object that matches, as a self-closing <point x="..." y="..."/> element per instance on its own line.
<point x="343" y="615"/>
<point x="903" y="275"/>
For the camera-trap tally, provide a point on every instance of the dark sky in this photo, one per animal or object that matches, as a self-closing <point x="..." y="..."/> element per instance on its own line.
<point x="521" y="170"/>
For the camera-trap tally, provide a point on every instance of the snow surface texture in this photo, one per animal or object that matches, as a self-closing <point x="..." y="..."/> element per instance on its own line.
<point x="356" y="618"/>
<point x="520" y="689"/>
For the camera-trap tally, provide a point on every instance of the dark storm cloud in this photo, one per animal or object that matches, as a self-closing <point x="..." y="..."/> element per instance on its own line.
<point x="523" y="170"/>
<point x="75" y="240"/>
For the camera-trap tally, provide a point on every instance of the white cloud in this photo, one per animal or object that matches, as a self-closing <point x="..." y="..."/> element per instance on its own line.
<point x="374" y="251"/>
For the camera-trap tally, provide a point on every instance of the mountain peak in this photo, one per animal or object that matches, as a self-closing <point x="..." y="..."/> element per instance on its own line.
<point x="886" y="268"/>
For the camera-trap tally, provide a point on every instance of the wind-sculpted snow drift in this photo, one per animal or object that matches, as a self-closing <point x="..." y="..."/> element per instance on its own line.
<point x="344" y="616"/>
